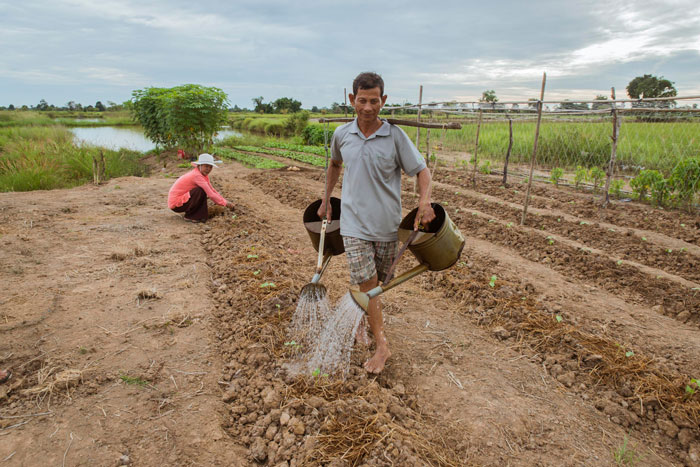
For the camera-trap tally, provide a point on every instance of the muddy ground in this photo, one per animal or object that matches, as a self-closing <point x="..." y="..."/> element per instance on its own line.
<point x="136" y="338"/>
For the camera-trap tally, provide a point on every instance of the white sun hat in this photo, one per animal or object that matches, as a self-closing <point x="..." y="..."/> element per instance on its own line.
<point x="206" y="159"/>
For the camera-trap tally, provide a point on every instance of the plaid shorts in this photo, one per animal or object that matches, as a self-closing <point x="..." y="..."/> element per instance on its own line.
<point x="366" y="258"/>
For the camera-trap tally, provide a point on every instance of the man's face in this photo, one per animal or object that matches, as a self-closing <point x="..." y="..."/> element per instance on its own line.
<point x="367" y="103"/>
<point x="205" y="169"/>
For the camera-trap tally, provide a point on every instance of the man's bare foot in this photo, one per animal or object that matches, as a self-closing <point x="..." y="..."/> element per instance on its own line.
<point x="361" y="334"/>
<point x="5" y="375"/>
<point x="376" y="363"/>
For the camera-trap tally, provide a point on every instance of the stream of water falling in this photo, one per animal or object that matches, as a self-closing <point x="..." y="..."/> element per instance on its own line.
<point x="330" y="351"/>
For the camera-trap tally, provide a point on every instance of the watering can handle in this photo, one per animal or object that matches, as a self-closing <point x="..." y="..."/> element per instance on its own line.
<point x="321" y="243"/>
<point x="408" y="241"/>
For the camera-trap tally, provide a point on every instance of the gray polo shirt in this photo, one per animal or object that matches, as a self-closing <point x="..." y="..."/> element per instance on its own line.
<point x="371" y="196"/>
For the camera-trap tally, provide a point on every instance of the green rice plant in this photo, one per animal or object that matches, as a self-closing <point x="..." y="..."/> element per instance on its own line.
<point x="555" y="175"/>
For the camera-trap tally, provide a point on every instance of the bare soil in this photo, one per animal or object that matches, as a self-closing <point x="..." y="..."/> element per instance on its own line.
<point x="137" y="338"/>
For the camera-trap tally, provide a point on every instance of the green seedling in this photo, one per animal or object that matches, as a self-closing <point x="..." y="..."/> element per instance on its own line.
<point x="619" y="262"/>
<point x="550" y="240"/>
<point x="82" y="350"/>
<point x="474" y="214"/>
<point x="278" y="306"/>
<point x="669" y="250"/>
<point x="256" y="272"/>
<point x="629" y="354"/>
<point x="625" y="454"/>
<point x="689" y="389"/>
<point x="682" y="225"/>
<point x="267" y="284"/>
<point x="292" y="344"/>
<point x="584" y="223"/>
<point x="644" y="239"/>
<point x="131" y="380"/>
<point x="509" y="224"/>
<point x="492" y="282"/>
<point x="612" y="230"/>
<point x="558" y="219"/>
<point x="491" y="220"/>
<point x="317" y="372"/>
<point x="559" y="318"/>
<point x="252" y="256"/>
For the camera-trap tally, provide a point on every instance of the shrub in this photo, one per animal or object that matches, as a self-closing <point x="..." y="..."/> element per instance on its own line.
<point x="616" y="186"/>
<point x="557" y="173"/>
<point x="485" y="167"/>
<point x="581" y="175"/>
<point x="660" y="191"/>
<point x="314" y="134"/>
<point x="685" y="179"/>
<point x="596" y="175"/>
<point x="642" y="183"/>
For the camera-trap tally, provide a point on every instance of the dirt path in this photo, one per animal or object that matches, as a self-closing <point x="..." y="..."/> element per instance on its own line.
<point x="132" y="334"/>
<point x="106" y="324"/>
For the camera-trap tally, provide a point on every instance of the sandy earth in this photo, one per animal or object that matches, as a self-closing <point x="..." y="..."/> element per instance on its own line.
<point x="136" y="338"/>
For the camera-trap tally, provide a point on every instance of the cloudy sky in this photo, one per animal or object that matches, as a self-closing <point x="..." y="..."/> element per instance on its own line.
<point x="89" y="50"/>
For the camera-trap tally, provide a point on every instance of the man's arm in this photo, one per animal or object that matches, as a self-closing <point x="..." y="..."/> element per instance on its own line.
<point x="425" y="210"/>
<point x="332" y="176"/>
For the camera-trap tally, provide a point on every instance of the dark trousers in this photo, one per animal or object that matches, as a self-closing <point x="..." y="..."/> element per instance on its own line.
<point x="196" y="207"/>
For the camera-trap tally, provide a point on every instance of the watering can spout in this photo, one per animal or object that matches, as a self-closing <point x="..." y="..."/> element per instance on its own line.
<point x="362" y="298"/>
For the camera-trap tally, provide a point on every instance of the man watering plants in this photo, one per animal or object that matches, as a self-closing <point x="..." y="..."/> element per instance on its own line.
<point x="189" y="193"/>
<point x="374" y="153"/>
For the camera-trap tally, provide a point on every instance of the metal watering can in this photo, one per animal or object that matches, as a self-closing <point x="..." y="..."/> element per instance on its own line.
<point x="326" y="239"/>
<point x="437" y="247"/>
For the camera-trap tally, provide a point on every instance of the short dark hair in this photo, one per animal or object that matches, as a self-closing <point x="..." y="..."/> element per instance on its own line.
<point x="368" y="80"/>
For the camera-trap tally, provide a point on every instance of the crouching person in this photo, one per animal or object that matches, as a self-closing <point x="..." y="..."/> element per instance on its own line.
<point x="189" y="193"/>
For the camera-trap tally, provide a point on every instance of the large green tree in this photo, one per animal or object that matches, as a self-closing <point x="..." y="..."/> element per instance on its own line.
<point x="649" y="86"/>
<point x="187" y="116"/>
<point x="489" y="96"/>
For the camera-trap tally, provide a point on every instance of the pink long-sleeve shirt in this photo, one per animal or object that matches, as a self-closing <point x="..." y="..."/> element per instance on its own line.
<point x="179" y="193"/>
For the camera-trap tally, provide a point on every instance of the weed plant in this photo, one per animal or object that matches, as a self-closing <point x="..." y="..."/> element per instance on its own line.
<point x="45" y="158"/>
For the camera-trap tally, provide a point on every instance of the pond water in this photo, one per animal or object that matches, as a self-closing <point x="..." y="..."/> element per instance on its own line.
<point x="111" y="137"/>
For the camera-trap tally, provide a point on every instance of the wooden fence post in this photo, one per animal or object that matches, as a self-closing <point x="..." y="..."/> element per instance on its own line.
<point x="476" y="147"/>
<point x="534" y="149"/>
<point x="613" y="151"/>
<point x="420" y="108"/>
<point x="345" y="101"/>
<point x="510" y="147"/>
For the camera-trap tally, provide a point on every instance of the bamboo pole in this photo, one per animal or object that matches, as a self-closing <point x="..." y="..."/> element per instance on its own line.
<point x="345" y="101"/>
<point x="420" y="101"/>
<point x="582" y="101"/>
<point x="510" y="147"/>
<point x="396" y="121"/>
<point x="613" y="151"/>
<point x="534" y="149"/>
<point x="476" y="148"/>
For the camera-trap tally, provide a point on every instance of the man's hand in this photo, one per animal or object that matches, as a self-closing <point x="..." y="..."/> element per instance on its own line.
<point x="325" y="210"/>
<point x="230" y="205"/>
<point x="424" y="215"/>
